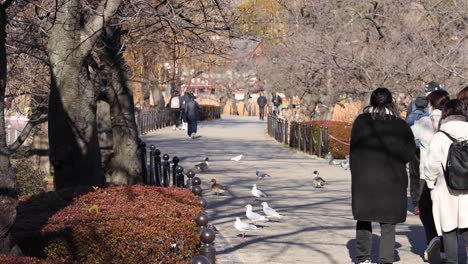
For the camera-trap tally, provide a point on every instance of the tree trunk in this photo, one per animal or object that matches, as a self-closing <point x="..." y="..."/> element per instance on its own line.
<point x="8" y="194"/>
<point x="73" y="137"/>
<point x="125" y="166"/>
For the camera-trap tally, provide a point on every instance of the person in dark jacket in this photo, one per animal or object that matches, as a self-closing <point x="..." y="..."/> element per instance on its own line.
<point x="276" y="100"/>
<point x="261" y="101"/>
<point x="418" y="113"/>
<point x="381" y="145"/>
<point x="191" y="112"/>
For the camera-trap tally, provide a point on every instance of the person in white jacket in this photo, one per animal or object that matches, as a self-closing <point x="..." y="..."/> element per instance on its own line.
<point x="424" y="130"/>
<point x="450" y="207"/>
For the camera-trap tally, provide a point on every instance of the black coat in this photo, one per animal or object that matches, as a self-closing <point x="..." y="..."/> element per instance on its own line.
<point x="261" y="101"/>
<point x="378" y="157"/>
<point x="191" y="109"/>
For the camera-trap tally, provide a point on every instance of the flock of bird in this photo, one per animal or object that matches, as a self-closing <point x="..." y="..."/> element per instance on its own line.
<point x="269" y="213"/>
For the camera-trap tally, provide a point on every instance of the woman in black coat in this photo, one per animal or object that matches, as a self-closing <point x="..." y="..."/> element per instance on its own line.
<point x="381" y="145"/>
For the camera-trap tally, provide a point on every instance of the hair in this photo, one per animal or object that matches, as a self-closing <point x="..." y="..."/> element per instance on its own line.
<point x="451" y="108"/>
<point x="463" y="95"/>
<point x="438" y="99"/>
<point x="381" y="102"/>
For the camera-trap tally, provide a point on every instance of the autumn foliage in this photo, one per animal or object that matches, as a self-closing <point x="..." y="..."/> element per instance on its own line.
<point x="336" y="130"/>
<point x="124" y="224"/>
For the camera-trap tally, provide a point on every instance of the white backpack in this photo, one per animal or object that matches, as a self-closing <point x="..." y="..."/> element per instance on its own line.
<point x="175" y="102"/>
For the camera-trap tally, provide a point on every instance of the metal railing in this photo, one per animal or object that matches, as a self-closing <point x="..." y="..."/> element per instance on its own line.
<point x="304" y="137"/>
<point x="153" y="119"/>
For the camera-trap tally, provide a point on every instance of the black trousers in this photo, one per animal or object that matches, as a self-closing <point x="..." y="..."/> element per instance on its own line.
<point x="364" y="242"/>
<point x="175" y="114"/>
<point x="426" y="216"/>
<point x="261" y="111"/>
<point x="414" y="178"/>
<point x="192" y="125"/>
<point x="451" y="244"/>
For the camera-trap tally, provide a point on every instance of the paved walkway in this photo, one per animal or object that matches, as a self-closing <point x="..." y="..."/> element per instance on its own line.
<point x="318" y="226"/>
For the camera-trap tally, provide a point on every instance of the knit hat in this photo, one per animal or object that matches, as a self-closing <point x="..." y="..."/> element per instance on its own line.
<point x="420" y="102"/>
<point x="432" y="86"/>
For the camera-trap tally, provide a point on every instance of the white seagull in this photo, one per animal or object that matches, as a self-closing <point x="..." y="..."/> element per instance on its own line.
<point x="254" y="217"/>
<point x="237" y="158"/>
<point x="244" y="227"/>
<point x="270" y="212"/>
<point x="257" y="193"/>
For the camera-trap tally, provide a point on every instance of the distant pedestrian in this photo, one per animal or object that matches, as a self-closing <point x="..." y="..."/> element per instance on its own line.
<point x="424" y="130"/>
<point x="183" y="100"/>
<point x="381" y="145"/>
<point x="277" y="101"/>
<point x="174" y="107"/>
<point x="261" y="101"/>
<point x="449" y="206"/>
<point x="191" y="111"/>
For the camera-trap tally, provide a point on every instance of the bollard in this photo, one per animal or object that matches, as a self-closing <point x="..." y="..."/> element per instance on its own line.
<point x="175" y="161"/>
<point x="190" y="175"/>
<point x="200" y="260"/>
<point x="196" y="181"/>
<point x="144" y="170"/>
<point x="157" y="168"/>
<point x="320" y="149"/>
<point x="203" y="202"/>
<point x="286" y="127"/>
<point x="179" y="179"/>
<point x="166" y="171"/>
<point x="152" y="165"/>
<point x="197" y="190"/>
<point x="207" y="249"/>
<point x="312" y="141"/>
<point x="325" y="140"/>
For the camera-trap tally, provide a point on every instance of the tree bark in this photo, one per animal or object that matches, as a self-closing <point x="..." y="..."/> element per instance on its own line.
<point x="73" y="137"/>
<point x="8" y="194"/>
<point x="125" y="166"/>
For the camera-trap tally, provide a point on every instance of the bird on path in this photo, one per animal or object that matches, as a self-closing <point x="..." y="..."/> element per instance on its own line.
<point x="318" y="182"/>
<point x="270" y="212"/>
<point x="261" y="174"/>
<point x="254" y="217"/>
<point x="329" y="157"/>
<point x="244" y="227"/>
<point x="237" y="158"/>
<point x="217" y="188"/>
<point x="257" y="193"/>
<point x="345" y="163"/>
<point x="204" y="166"/>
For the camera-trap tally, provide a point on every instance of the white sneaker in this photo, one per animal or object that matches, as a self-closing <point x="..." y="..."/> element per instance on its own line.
<point x="173" y="127"/>
<point x="194" y="135"/>
<point x="432" y="249"/>
<point x="366" y="262"/>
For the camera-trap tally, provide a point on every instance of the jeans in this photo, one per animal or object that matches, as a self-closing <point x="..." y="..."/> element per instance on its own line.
<point x="451" y="244"/>
<point x="192" y="125"/>
<point x="261" y="111"/>
<point x="426" y="216"/>
<point x="414" y="178"/>
<point x="364" y="241"/>
<point x="175" y="114"/>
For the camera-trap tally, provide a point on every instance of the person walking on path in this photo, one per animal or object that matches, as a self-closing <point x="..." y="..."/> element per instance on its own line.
<point x="449" y="206"/>
<point x="191" y="110"/>
<point x="414" y="175"/>
<point x="381" y="145"/>
<point x="424" y="130"/>
<point x="261" y="101"/>
<point x="276" y="100"/>
<point x="174" y="107"/>
<point x="183" y="100"/>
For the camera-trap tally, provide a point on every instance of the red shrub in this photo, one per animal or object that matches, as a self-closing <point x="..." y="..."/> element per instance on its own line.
<point x="125" y="224"/>
<point x="25" y="260"/>
<point x="339" y="130"/>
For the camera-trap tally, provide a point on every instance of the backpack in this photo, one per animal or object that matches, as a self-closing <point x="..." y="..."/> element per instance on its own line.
<point x="456" y="169"/>
<point x="175" y="102"/>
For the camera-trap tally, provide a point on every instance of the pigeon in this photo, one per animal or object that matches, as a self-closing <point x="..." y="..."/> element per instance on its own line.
<point x="257" y="193"/>
<point x="270" y="212"/>
<point x="261" y="174"/>
<point x="237" y="158"/>
<point x="318" y="182"/>
<point x="345" y="164"/>
<point x="254" y="217"/>
<point x="203" y="166"/>
<point x="217" y="188"/>
<point x="244" y="227"/>
<point x="335" y="162"/>
<point x="329" y="157"/>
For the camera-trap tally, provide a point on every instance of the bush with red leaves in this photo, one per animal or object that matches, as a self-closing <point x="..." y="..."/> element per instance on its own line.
<point x="121" y="224"/>
<point x="25" y="260"/>
<point x="340" y="131"/>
